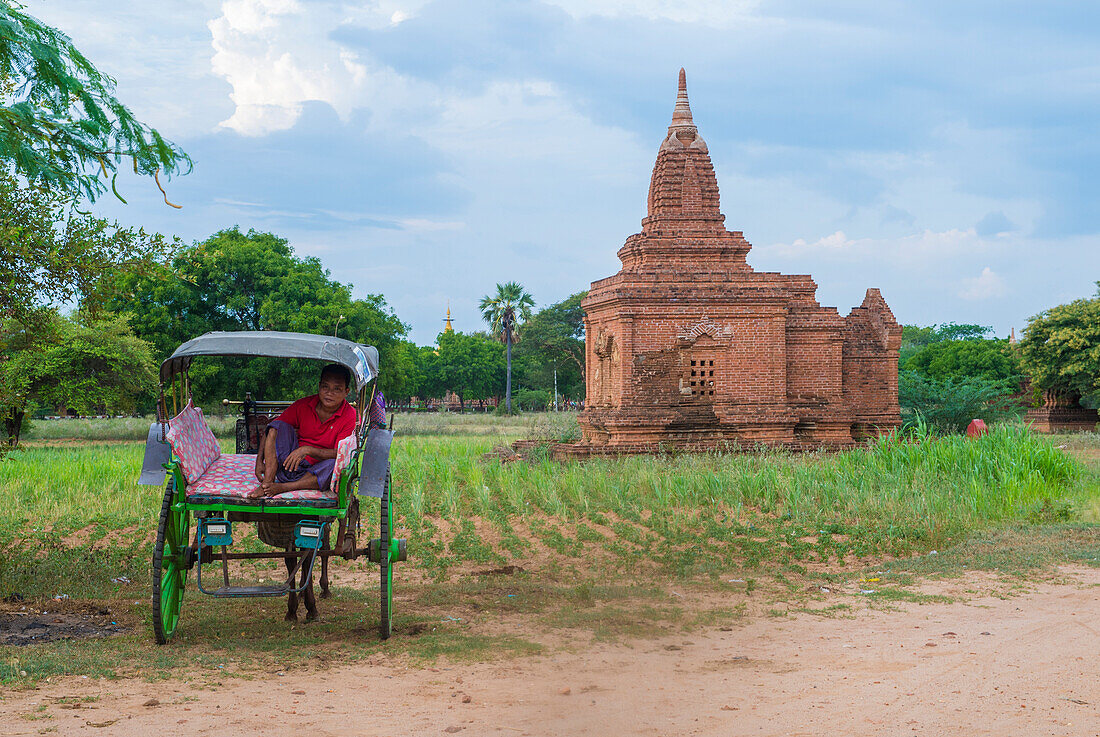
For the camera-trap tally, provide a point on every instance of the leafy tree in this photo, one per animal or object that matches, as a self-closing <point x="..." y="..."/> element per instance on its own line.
<point x="428" y="375"/>
<point x="401" y="371"/>
<point x="253" y="281"/>
<point x="1061" y="348"/>
<point x="90" y="364"/>
<point x="915" y="337"/>
<point x="959" y="359"/>
<point x="51" y="254"/>
<point x="60" y="123"/>
<point x="470" y="365"/>
<point x="554" y="339"/>
<point x="505" y="312"/>
<point x="559" y="330"/>
<point x="949" y="405"/>
<point x="18" y="338"/>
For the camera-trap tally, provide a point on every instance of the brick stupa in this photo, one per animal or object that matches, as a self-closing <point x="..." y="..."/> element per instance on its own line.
<point x="688" y="347"/>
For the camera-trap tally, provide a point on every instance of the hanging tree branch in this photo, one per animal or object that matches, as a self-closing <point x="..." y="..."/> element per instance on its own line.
<point x="60" y="123"/>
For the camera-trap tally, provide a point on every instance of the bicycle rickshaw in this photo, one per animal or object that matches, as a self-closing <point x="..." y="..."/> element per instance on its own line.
<point x="212" y="487"/>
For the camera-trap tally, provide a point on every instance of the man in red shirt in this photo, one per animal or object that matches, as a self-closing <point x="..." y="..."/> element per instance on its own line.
<point x="299" y="448"/>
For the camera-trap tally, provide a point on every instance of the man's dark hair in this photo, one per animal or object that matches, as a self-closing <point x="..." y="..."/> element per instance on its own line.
<point x="337" y="371"/>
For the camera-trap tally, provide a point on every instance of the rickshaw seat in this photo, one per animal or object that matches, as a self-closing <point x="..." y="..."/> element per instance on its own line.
<point x="232" y="476"/>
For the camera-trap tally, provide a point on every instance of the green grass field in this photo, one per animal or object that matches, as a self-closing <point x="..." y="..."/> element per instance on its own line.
<point x="589" y="536"/>
<point x="421" y="423"/>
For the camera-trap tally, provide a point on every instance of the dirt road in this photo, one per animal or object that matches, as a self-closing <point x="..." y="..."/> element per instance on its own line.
<point x="1026" y="665"/>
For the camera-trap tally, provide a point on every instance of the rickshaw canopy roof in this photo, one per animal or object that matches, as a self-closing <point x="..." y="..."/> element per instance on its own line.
<point x="361" y="360"/>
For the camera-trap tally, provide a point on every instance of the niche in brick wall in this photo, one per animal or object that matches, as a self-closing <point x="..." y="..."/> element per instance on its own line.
<point x="607" y="364"/>
<point x="701" y="366"/>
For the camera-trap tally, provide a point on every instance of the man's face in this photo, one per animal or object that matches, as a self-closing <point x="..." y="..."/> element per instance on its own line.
<point x="332" y="392"/>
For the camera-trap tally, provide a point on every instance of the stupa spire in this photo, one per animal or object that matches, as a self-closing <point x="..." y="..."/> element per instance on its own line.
<point x="681" y="114"/>
<point x="682" y="130"/>
<point x="683" y="187"/>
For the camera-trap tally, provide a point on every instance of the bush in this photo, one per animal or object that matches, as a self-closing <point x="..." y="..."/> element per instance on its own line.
<point x="948" y="406"/>
<point x="531" y="400"/>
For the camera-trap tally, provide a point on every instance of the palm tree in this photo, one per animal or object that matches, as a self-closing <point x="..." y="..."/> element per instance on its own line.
<point x="505" y="312"/>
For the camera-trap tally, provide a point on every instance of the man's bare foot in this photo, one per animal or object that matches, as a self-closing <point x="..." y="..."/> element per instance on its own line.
<point x="276" y="488"/>
<point x="264" y="489"/>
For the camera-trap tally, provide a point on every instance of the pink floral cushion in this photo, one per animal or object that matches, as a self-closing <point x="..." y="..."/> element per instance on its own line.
<point x="230" y="479"/>
<point x="231" y="475"/>
<point x="192" y="442"/>
<point x="343" y="457"/>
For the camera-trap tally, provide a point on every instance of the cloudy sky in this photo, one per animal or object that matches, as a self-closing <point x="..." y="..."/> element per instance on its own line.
<point x="945" y="151"/>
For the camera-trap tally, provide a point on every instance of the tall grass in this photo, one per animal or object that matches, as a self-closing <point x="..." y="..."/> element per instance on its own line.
<point x="891" y="496"/>
<point x="544" y="425"/>
<point x="48" y="493"/>
<point x="929" y="481"/>
<point x="121" y="428"/>
<point x="68" y="488"/>
<point x="534" y="424"/>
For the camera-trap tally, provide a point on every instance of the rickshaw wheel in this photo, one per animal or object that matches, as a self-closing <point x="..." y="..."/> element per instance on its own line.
<point x="385" y="627"/>
<point x="169" y="565"/>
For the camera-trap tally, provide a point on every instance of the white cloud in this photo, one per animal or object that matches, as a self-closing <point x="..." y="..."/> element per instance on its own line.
<point x="276" y="55"/>
<point x="720" y="12"/>
<point x="925" y="245"/>
<point x="256" y="16"/>
<point x="835" y="241"/>
<point x="425" y="225"/>
<point x="279" y="54"/>
<point x="987" y="285"/>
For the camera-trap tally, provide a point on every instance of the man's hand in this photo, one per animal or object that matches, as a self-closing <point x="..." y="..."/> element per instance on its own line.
<point x="295" y="457"/>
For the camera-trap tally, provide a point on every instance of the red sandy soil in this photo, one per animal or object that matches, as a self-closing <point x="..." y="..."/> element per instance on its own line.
<point x="1024" y="665"/>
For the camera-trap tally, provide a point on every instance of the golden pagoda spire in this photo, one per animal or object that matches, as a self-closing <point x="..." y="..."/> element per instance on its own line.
<point x="447" y="326"/>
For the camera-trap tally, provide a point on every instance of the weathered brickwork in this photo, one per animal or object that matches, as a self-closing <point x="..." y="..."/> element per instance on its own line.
<point x="689" y="347"/>
<point x="1062" y="412"/>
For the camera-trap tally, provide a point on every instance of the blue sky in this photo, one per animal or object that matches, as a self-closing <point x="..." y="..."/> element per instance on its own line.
<point x="945" y="152"/>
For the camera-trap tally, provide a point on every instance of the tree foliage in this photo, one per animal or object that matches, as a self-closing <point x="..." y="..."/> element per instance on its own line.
<point x="554" y="339"/>
<point x="88" y="364"/>
<point x="1061" y="348"/>
<point x="60" y="123"/>
<point x="533" y="400"/>
<point x="994" y="360"/>
<point x="916" y="337"/>
<point x="506" y="312"/>
<point x="558" y="330"/>
<point x="51" y="254"/>
<point x="253" y="281"/>
<point x="470" y="365"/>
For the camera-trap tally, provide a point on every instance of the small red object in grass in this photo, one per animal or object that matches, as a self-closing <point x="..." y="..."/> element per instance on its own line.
<point x="976" y="429"/>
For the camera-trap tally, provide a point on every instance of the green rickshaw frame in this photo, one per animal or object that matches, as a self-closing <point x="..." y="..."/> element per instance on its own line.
<point x="173" y="555"/>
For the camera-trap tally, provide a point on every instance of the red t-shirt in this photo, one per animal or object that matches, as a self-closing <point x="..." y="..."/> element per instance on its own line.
<point x="302" y="416"/>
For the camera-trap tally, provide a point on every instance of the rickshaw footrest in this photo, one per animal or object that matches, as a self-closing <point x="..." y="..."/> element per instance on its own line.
<point x="243" y="591"/>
